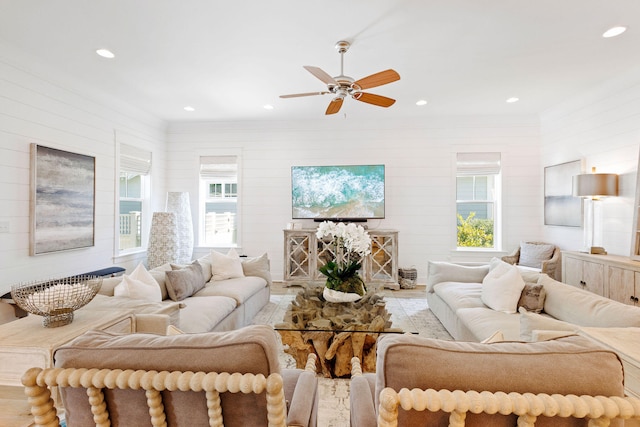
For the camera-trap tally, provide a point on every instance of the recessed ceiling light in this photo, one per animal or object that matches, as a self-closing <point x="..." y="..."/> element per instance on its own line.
<point x="268" y="107"/>
<point x="105" y="53"/>
<point x="189" y="108"/>
<point x="421" y="102"/>
<point x="512" y="100"/>
<point x="614" y="31"/>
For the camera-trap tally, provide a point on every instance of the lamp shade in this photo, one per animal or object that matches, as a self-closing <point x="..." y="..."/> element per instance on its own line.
<point x="595" y="185"/>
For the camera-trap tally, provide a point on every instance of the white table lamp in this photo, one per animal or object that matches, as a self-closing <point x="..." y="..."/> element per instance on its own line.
<point x="592" y="187"/>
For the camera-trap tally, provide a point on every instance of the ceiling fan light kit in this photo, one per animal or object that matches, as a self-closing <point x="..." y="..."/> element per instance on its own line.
<point x="342" y="86"/>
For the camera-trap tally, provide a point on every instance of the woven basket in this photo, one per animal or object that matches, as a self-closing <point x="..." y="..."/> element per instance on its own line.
<point x="408" y="277"/>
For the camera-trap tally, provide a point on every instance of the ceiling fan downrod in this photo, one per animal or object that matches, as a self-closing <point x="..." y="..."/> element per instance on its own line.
<point x="342" y="47"/>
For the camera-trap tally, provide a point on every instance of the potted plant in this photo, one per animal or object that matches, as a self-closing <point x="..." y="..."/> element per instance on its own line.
<point x="351" y="244"/>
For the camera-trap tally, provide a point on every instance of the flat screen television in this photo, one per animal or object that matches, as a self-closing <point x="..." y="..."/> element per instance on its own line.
<point x="339" y="193"/>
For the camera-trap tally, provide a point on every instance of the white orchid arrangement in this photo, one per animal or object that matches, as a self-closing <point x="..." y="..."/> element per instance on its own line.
<point x="352" y="243"/>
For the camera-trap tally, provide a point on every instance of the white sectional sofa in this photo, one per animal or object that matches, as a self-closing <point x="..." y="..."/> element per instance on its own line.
<point x="455" y="296"/>
<point x="215" y="305"/>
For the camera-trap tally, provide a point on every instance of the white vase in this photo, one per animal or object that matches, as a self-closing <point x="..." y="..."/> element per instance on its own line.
<point x="178" y="203"/>
<point x="337" y="296"/>
<point x="163" y="240"/>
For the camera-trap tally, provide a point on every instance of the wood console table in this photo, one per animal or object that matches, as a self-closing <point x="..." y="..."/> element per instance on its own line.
<point x="25" y="343"/>
<point x="304" y="253"/>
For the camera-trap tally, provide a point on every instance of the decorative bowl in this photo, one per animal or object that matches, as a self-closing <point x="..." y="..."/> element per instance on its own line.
<point x="56" y="299"/>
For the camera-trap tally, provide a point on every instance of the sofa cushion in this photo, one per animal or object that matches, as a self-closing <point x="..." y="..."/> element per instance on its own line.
<point x="248" y="350"/>
<point x="168" y="307"/>
<point x="530" y="322"/>
<point x="258" y="266"/>
<point x="529" y="275"/>
<point x="460" y="295"/>
<point x="448" y="272"/>
<point x="483" y="322"/>
<point x="572" y="365"/>
<point x="184" y="282"/>
<point x="532" y="254"/>
<point x="205" y="263"/>
<point x="584" y="308"/>
<point x="158" y="273"/>
<point x="226" y="266"/>
<point x="140" y="284"/>
<point x="502" y="287"/>
<point x="240" y="289"/>
<point x="202" y="314"/>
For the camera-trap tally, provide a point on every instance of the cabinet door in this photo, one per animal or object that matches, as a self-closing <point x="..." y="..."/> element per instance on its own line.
<point x="381" y="262"/>
<point x="622" y="285"/>
<point x="593" y="277"/>
<point x="297" y="256"/>
<point x="573" y="271"/>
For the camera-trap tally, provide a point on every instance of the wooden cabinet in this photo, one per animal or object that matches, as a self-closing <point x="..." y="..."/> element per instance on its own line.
<point x="624" y="285"/>
<point x="584" y="274"/>
<point x="613" y="276"/>
<point x="304" y="254"/>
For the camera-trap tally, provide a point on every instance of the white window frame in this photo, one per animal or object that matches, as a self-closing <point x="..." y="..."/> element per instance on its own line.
<point x="203" y="196"/>
<point x="476" y="164"/>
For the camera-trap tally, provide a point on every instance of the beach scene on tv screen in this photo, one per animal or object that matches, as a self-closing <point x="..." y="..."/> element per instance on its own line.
<point x="337" y="191"/>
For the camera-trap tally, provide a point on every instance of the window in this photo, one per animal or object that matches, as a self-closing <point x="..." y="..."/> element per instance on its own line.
<point x="219" y="201"/>
<point x="135" y="165"/>
<point x="477" y="200"/>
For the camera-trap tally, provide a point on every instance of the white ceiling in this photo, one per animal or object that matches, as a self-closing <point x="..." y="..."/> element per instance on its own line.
<point x="229" y="58"/>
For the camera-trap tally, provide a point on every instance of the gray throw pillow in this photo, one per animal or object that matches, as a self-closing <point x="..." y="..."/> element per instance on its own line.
<point x="532" y="254"/>
<point x="184" y="282"/>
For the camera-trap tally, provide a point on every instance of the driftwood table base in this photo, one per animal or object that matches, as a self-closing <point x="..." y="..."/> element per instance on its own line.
<point x="335" y="332"/>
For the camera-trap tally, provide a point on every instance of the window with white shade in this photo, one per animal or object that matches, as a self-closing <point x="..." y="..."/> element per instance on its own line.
<point x="134" y="189"/>
<point x="218" y="201"/>
<point x="478" y="192"/>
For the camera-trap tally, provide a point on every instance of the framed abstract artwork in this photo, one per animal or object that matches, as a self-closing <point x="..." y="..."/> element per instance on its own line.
<point x="560" y="206"/>
<point x="62" y="201"/>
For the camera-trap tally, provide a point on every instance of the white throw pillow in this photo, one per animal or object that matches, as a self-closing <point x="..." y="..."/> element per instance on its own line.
<point x="140" y="284"/>
<point x="226" y="266"/>
<point x="532" y="254"/>
<point x="501" y="287"/>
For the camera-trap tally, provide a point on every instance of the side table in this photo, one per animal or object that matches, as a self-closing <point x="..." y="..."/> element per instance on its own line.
<point x="25" y="343"/>
<point x="625" y="342"/>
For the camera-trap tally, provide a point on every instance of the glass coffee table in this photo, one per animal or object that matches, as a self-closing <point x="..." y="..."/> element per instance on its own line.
<point x="335" y="332"/>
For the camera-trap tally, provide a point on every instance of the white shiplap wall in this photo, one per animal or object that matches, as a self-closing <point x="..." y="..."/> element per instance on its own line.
<point x="419" y="156"/>
<point x="602" y="128"/>
<point x="44" y="106"/>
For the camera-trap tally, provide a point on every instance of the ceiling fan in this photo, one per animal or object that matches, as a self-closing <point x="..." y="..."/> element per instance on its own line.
<point x="342" y="85"/>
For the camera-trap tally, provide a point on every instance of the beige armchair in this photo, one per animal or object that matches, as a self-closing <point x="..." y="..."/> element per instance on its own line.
<point x="538" y="256"/>
<point x="422" y="381"/>
<point x="212" y="379"/>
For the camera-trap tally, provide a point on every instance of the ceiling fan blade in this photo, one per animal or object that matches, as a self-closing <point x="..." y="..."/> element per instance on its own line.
<point x="377" y="79"/>
<point x="321" y="74"/>
<point x="334" y="105"/>
<point x="296" y="95"/>
<point x="370" y="98"/>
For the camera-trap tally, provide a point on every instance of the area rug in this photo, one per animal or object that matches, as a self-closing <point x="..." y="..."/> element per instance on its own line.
<point x="409" y="311"/>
